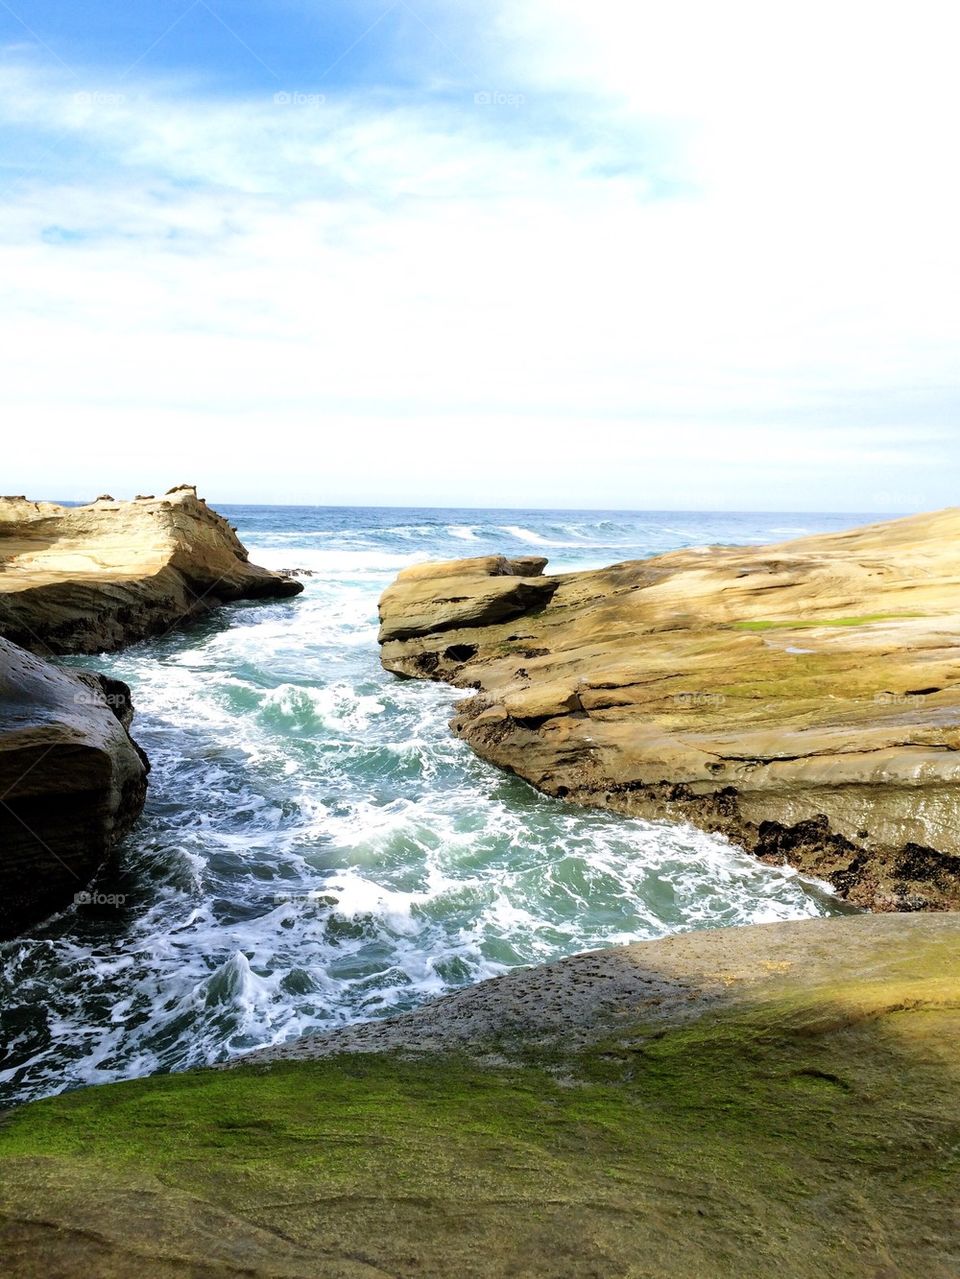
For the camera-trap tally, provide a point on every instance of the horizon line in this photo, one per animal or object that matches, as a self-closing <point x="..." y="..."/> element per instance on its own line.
<point x="588" y="510"/>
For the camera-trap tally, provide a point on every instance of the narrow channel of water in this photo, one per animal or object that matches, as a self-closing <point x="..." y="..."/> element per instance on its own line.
<point x="317" y="848"/>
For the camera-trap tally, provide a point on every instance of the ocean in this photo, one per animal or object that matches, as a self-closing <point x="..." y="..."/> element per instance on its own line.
<point x="317" y="848"/>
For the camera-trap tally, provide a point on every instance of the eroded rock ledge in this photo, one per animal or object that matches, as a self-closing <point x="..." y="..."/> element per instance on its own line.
<point x="72" y="782"/>
<point x="576" y="1001"/>
<point x="92" y="578"/>
<point x="802" y="698"/>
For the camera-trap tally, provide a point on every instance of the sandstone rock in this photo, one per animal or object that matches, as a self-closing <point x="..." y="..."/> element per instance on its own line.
<point x="583" y="999"/>
<point x="16" y="509"/>
<point x="92" y="578"/>
<point x="427" y="598"/>
<point x="802" y="698"/>
<point x="479" y="566"/>
<point x="72" y="782"/>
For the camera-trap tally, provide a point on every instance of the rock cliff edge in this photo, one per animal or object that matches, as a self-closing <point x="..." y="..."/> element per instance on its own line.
<point x="89" y="579"/>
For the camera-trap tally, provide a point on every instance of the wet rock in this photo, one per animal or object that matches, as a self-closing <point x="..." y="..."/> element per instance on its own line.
<point x="72" y="782"/>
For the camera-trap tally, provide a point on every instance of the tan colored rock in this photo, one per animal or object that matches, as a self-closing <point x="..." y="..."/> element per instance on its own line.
<point x="72" y="782"/>
<point x="92" y="578"/>
<point x="802" y="698"/>
<point x="459" y="593"/>
<point x="479" y="566"/>
<point x="20" y="509"/>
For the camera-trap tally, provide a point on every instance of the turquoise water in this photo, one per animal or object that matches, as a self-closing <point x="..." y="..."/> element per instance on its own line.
<point x="317" y="848"/>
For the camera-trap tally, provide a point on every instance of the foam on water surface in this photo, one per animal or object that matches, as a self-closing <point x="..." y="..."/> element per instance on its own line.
<point x="318" y="848"/>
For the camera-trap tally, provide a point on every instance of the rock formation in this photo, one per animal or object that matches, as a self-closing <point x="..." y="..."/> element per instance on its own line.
<point x="72" y="782"/>
<point x="429" y="598"/>
<point x="779" y="1101"/>
<point x="92" y="578"/>
<point x="802" y="698"/>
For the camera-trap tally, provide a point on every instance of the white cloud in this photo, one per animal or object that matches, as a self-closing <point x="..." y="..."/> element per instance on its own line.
<point x="720" y="244"/>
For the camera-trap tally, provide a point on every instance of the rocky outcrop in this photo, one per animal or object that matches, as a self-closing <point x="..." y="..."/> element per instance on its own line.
<point x="429" y="598"/>
<point x="92" y="578"/>
<point x="779" y="1101"/>
<point x="72" y="782"/>
<point x="802" y="698"/>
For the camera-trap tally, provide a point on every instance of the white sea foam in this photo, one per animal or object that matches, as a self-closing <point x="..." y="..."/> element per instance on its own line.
<point x="338" y="707"/>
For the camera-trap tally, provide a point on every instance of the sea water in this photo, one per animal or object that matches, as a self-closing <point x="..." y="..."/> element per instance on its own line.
<point x="316" y="846"/>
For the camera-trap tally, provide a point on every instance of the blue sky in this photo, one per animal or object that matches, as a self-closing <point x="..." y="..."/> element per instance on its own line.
<point x="231" y="47"/>
<point x="527" y="253"/>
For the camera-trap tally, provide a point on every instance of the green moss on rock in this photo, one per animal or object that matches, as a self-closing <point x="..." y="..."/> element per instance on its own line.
<point x="800" y="1135"/>
<point x="808" y="623"/>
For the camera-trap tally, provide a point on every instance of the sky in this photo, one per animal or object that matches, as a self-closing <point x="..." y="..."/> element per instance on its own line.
<point x="500" y="253"/>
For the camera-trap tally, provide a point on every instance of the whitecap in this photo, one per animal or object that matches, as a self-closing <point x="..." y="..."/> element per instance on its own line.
<point x="538" y="539"/>
<point x="337" y="562"/>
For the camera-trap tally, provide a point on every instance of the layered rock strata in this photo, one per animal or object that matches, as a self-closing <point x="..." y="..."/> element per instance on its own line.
<point x="93" y="578"/>
<point x="802" y="698"/>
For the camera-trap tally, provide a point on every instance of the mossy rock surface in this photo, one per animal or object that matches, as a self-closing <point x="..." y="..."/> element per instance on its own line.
<point x="810" y="1126"/>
